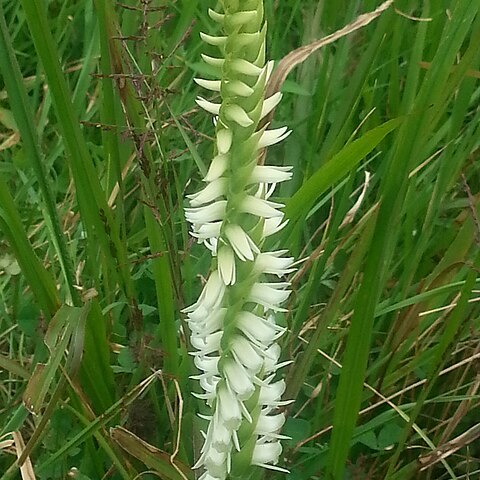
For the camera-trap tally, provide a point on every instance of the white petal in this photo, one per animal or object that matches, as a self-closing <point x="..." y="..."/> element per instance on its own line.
<point x="199" y="314"/>
<point x="214" y="62"/>
<point x="211" y="192"/>
<point x="270" y="103"/>
<point x="211" y="40"/>
<point x="207" y="476"/>
<point x="229" y="409"/>
<point x="208" y="344"/>
<point x="210" y="324"/>
<point x="208" y="230"/>
<point x="213" y="291"/>
<point x="256" y="327"/>
<point x="211" y="296"/>
<point x="270" y="174"/>
<point x="266" y="453"/>
<point x="241" y="243"/>
<point x="221" y="438"/>
<point x="268" y="424"/>
<point x="239" y="88"/>
<point x="272" y="355"/>
<point x="269" y="67"/>
<point x="213" y="85"/>
<point x="206" y="214"/>
<point x="268" y="296"/>
<point x="274" y="263"/>
<point x="240" y="18"/>
<point x="210" y="107"/>
<point x="246" y="354"/>
<point x="273" y="225"/>
<point x="224" y="140"/>
<point x="249" y="39"/>
<point x="271" y="394"/>
<point x="237" y="114"/>
<point x="271" y="137"/>
<point x="226" y="264"/>
<point x="215" y="16"/>
<point x="207" y="364"/>
<point x="239" y="380"/>
<point x="217" y="167"/>
<point x="246" y="68"/>
<point x="215" y="462"/>
<point x="260" y="207"/>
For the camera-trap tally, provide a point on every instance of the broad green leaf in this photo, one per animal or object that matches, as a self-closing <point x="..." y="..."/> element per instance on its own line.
<point x="335" y="169"/>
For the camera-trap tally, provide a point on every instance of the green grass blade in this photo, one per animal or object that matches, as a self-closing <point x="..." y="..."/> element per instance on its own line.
<point x="24" y="120"/>
<point x="40" y="281"/>
<point x="91" y="198"/>
<point x="335" y="169"/>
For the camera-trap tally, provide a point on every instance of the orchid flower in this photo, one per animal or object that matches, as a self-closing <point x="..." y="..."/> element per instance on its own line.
<point x="232" y="324"/>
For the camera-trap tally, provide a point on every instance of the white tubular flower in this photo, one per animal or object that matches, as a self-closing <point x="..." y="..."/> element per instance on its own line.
<point x="232" y="324"/>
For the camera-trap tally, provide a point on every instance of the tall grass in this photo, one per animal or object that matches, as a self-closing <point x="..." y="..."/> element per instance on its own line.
<point x="100" y="141"/>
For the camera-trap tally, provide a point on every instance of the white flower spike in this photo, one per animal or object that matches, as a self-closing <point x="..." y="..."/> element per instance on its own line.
<point x="232" y="324"/>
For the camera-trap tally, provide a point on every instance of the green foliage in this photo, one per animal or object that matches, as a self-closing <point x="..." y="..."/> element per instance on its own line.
<point x="100" y="140"/>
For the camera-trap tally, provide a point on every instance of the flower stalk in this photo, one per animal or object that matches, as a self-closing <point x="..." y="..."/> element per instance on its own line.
<point x="232" y="324"/>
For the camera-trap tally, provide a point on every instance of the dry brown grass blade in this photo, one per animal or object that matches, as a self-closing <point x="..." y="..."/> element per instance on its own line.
<point x="444" y="451"/>
<point x="469" y="73"/>
<point x="26" y="468"/>
<point x="294" y="58"/>
<point x="154" y="458"/>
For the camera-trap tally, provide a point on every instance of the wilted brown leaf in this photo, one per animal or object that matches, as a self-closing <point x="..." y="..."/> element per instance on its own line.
<point x="299" y="55"/>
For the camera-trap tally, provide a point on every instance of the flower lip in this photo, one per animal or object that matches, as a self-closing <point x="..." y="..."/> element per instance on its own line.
<point x="270" y="103"/>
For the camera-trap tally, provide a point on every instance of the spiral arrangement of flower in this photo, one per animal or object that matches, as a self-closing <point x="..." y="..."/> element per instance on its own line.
<point x="232" y="324"/>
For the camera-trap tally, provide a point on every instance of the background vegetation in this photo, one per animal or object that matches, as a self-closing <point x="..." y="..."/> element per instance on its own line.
<point x="100" y="140"/>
